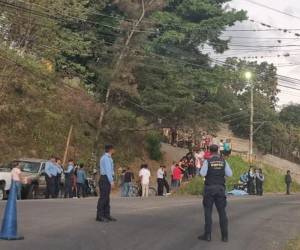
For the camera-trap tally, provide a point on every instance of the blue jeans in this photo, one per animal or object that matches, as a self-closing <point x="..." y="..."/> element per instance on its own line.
<point x="18" y="188"/>
<point x="126" y="189"/>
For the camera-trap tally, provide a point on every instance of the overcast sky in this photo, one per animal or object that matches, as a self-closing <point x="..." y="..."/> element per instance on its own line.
<point x="286" y="65"/>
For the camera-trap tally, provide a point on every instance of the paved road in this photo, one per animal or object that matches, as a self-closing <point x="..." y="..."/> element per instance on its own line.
<point x="156" y="224"/>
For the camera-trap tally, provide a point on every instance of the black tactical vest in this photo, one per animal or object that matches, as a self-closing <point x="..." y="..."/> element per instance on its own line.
<point x="216" y="171"/>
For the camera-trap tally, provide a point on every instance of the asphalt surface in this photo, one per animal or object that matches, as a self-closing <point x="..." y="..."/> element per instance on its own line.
<point x="155" y="224"/>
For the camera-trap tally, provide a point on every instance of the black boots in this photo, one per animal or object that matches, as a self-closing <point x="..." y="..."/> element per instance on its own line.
<point x="225" y="238"/>
<point x="205" y="237"/>
<point x="105" y="219"/>
<point x="102" y="219"/>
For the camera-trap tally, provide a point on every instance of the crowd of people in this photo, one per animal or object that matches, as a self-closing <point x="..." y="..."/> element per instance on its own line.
<point x="73" y="185"/>
<point x="253" y="181"/>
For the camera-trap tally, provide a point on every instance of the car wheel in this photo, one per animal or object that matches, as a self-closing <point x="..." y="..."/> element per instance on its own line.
<point x="134" y="191"/>
<point x="2" y="192"/>
<point x="32" y="192"/>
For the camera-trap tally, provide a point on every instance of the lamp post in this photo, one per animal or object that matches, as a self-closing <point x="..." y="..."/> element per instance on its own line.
<point x="248" y="76"/>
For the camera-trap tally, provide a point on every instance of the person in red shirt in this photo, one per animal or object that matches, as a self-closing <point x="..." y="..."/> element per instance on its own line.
<point x="177" y="175"/>
<point x="207" y="155"/>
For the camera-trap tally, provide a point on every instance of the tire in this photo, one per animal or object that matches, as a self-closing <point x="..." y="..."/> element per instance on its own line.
<point x="134" y="191"/>
<point x="32" y="192"/>
<point x="152" y="192"/>
<point x="2" y="194"/>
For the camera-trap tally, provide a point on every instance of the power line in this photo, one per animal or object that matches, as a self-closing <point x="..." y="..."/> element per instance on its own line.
<point x="64" y="16"/>
<point x="271" y="8"/>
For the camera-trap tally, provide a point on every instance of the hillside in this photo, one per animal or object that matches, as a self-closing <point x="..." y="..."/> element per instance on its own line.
<point x="35" y="122"/>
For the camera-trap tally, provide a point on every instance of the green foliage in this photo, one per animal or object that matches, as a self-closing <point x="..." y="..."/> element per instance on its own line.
<point x="194" y="187"/>
<point x="153" y="145"/>
<point x="177" y="85"/>
<point x="293" y="245"/>
<point x="290" y="115"/>
<point x="121" y="128"/>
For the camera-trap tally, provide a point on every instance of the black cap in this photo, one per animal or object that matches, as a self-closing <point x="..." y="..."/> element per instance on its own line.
<point x="214" y="148"/>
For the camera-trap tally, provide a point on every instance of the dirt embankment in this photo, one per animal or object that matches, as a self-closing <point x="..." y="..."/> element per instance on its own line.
<point x="36" y="122"/>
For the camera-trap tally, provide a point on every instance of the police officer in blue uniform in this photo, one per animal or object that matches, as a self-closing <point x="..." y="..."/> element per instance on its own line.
<point x="106" y="183"/>
<point x="215" y="171"/>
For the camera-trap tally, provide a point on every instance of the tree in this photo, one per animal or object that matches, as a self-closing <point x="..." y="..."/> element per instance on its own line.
<point x="290" y="115"/>
<point x="176" y="81"/>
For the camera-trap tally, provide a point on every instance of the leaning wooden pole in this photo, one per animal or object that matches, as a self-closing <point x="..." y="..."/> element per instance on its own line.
<point x="67" y="145"/>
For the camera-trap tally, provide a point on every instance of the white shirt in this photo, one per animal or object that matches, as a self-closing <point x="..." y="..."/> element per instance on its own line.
<point x="145" y="174"/>
<point x="221" y="146"/>
<point x="160" y="173"/>
<point x="16" y="174"/>
<point x="199" y="157"/>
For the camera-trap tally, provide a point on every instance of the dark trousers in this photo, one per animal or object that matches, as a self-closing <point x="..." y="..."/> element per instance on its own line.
<point x="80" y="189"/>
<point x="103" y="207"/>
<point x="215" y="194"/>
<point x="288" y="187"/>
<point x="251" y="187"/>
<point x="50" y="183"/>
<point x="166" y="185"/>
<point x="160" y="186"/>
<point x="259" y="187"/>
<point x="57" y="184"/>
<point x="68" y="186"/>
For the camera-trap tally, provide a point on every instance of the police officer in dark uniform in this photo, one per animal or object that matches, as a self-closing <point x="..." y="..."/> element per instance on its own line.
<point x="215" y="170"/>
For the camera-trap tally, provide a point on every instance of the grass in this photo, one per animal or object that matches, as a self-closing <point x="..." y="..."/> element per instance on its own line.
<point x="293" y="245"/>
<point x="274" y="179"/>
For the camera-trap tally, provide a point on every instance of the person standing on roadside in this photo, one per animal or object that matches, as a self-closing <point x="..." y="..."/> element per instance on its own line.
<point x="250" y="182"/>
<point x="199" y="157"/>
<point x="259" y="181"/>
<point x="173" y="166"/>
<point x="68" y="179"/>
<point x="16" y="178"/>
<point x="160" y="181"/>
<point x="166" y="184"/>
<point x="50" y="176"/>
<point x="288" y="181"/>
<point x="177" y="175"/>
<point x="106" y="183"/>
<point x="128" y="178"/>
<point x="58" y="183"/>
<point x="80" y="181"/>
<point x="215" y="170"/>
<point x="221" y="146"/>
<point x="145" y="175"/>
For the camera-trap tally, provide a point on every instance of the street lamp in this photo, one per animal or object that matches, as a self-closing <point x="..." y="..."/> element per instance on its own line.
<point x="248" y="76"/>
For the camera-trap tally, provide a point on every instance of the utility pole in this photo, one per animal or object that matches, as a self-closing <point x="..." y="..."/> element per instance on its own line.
<point x="67" y="145"/>
<point x="248" y="76"/>
<point x="251" y="123"/>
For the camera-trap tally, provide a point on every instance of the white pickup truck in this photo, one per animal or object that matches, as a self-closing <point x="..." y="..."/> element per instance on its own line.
<point x="5" y="182"/>
<point x="33" y="178"/>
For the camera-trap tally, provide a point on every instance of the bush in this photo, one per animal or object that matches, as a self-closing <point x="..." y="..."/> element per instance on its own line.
<point x="153" y="146"/>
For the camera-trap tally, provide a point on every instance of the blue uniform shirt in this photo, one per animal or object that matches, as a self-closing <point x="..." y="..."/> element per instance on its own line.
<point x="107" y="167"/>
<point x="50" y="169"/>
<point x="69" y="169"/>
<point x="204" y="169"/>
<point x="59" y="169"/>
<point x="81" y="176"/>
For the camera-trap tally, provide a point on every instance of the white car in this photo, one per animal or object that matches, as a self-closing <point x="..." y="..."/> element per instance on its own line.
<point x="5" y="182"/>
